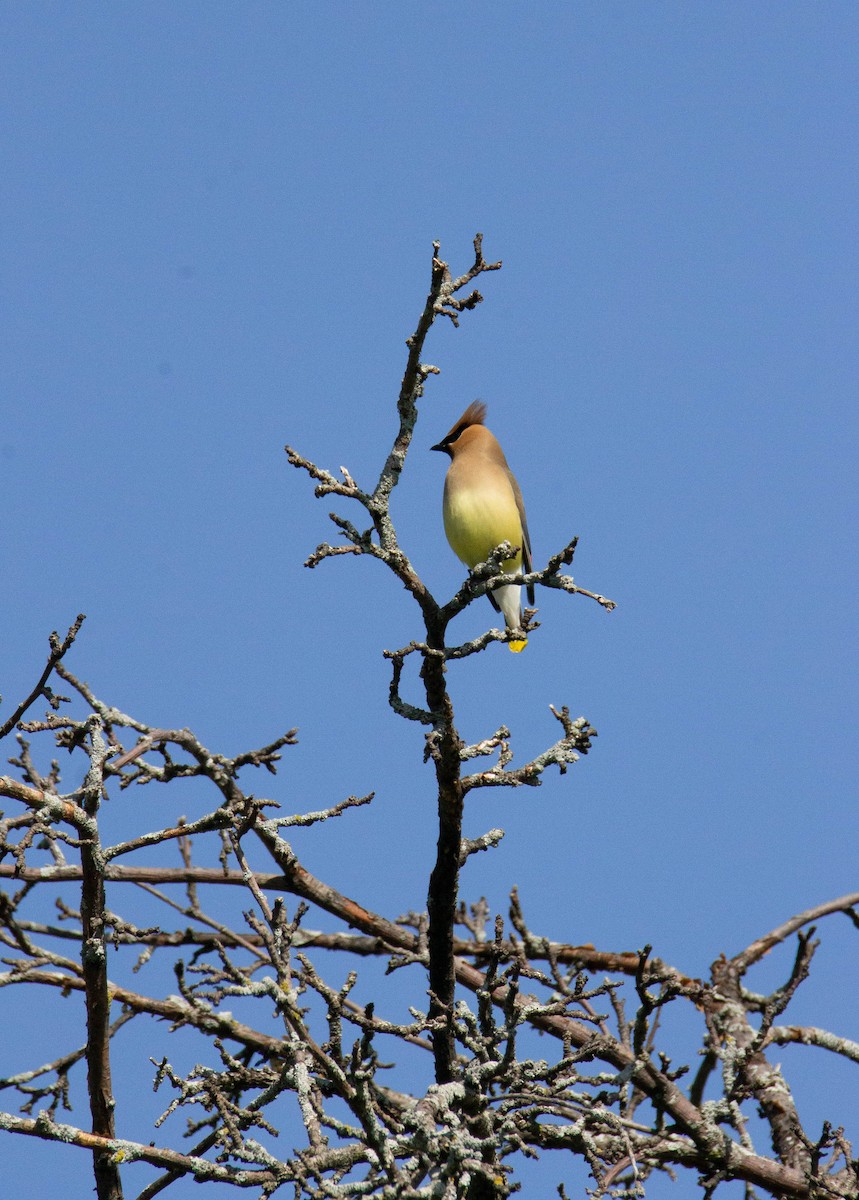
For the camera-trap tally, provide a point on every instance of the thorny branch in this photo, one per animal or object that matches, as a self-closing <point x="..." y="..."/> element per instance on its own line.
<point x="582" y="1101"/>
<point x="59" y="649"/>
<point x="305" y="1078"/>
<point x="443" y="742"/>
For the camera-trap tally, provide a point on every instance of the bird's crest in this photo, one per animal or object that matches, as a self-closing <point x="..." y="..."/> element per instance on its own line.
<point x="475" y="414"/>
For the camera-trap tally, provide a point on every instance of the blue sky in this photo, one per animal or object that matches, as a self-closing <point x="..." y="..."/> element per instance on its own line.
<point x="218" y="222"/>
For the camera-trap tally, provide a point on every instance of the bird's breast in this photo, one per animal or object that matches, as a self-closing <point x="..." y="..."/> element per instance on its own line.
<point x="476" y="520"/>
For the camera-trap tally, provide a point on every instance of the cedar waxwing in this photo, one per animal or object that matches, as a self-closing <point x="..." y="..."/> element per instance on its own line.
<point x="483" y="508"/>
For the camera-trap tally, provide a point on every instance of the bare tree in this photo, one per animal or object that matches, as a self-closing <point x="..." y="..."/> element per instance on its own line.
<point x="509" y="1047"/>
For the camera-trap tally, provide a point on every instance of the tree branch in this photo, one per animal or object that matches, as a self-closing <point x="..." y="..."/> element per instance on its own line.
<point x="58" y="650"/>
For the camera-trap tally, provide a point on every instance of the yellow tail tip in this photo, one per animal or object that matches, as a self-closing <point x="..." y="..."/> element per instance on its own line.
<point x="518" y="646"/>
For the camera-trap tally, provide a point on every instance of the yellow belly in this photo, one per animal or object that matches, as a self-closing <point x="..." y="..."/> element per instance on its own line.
<point x="476" y="522"/>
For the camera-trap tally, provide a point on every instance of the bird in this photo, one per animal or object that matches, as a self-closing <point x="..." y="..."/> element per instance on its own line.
<point x="483" y="507"/>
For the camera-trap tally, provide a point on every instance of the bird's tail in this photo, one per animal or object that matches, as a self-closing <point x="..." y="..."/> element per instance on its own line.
<point x="507" y="599"/>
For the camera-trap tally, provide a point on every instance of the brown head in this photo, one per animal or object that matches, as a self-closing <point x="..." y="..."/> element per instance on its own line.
<point x="470" y="430"/>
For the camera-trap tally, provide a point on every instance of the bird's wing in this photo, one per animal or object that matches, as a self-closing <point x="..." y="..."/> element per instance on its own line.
<point x="526" y="538"/>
